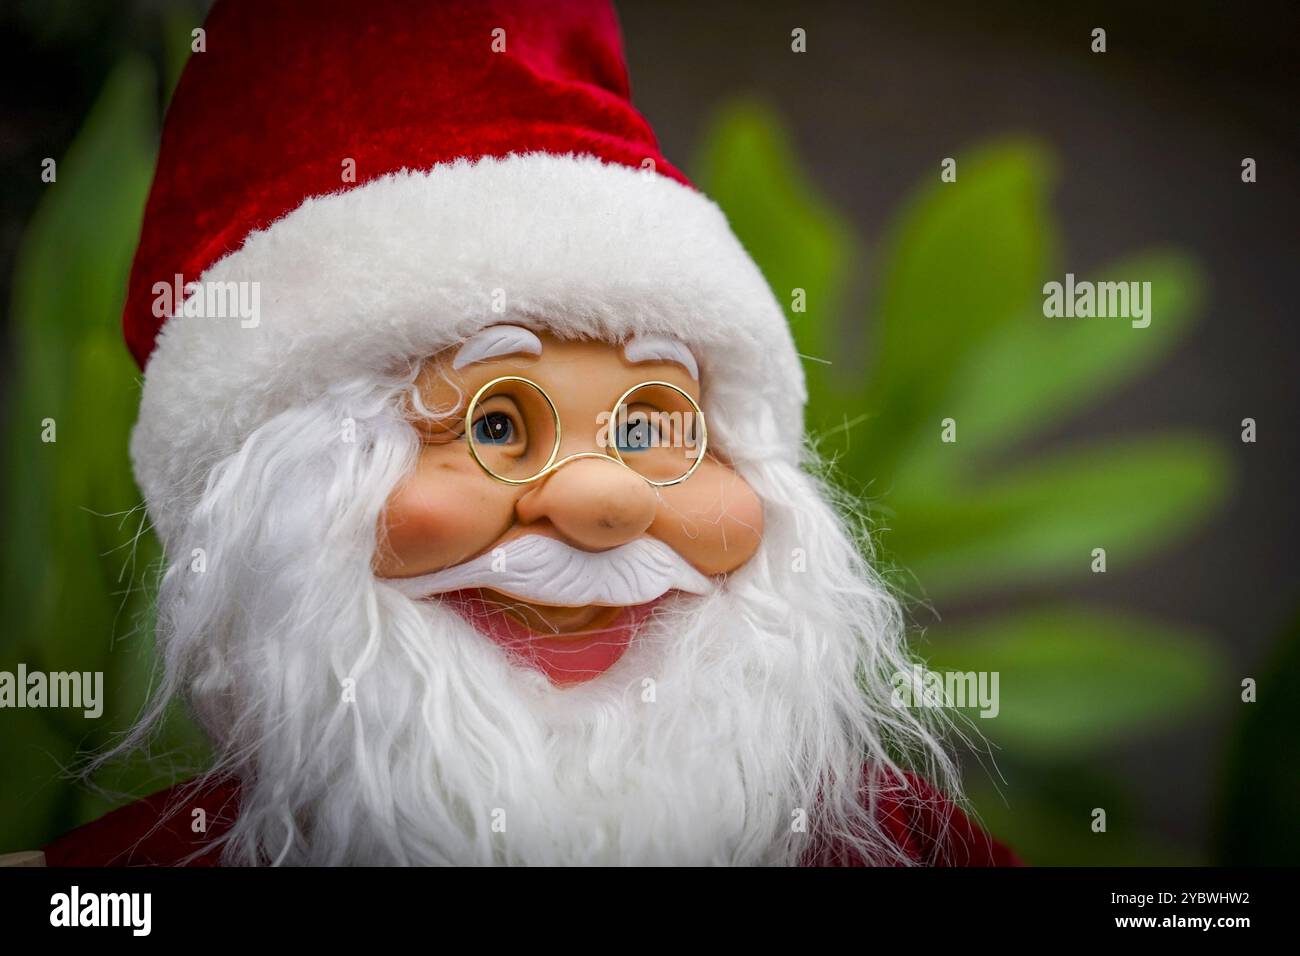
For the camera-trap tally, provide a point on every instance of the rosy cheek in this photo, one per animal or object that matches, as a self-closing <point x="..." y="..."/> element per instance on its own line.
<point x="714" y="520"/>
<point x="440" y="515"/>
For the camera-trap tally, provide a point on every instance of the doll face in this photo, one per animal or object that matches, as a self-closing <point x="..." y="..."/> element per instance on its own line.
<point x="562" y="570"/>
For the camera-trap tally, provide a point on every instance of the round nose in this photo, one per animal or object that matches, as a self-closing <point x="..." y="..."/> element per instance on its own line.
<point x="596" y="504"/>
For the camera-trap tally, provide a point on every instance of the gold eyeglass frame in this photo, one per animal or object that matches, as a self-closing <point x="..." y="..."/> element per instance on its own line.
<point x="551" y="463"/>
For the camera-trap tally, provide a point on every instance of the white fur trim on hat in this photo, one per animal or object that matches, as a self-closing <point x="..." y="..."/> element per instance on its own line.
<point x="364" y="280"/>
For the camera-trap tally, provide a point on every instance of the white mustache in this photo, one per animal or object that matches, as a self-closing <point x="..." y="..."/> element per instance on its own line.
<point x="548" y="571"/>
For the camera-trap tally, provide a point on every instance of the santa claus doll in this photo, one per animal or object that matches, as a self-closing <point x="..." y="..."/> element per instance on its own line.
<point x="491" y="534"/>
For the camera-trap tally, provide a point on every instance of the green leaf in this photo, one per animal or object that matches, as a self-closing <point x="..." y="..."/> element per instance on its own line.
<point x="1043" y="519"/>
<point x="76" y="548"/>
<point x="68" y="288"/>
<point x="748" y="166"/>
<point x="1036" y="371"/>
<point x="1071" y="681"/>
<point x="963" y="259"/>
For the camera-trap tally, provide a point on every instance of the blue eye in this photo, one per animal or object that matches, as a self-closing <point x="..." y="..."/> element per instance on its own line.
<point x="637" y="435"/>
<point x="494" y="428"/>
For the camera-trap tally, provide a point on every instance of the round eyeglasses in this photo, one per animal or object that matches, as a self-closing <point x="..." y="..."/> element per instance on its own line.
<point x="655" y="429"/>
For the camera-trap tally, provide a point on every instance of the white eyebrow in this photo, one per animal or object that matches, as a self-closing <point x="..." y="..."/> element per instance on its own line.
<point x="661" y="348"/>
<point x="495" y="341"/>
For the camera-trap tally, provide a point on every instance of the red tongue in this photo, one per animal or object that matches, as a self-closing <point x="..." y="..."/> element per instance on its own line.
<point x="570" y="659"/>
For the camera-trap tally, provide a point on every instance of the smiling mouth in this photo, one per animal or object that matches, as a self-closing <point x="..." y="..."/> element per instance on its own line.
<point x="569" y="645"/>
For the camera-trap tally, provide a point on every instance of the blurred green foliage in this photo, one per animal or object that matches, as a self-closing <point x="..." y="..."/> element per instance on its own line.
<point x="77" y="557"/>
<point x="957" y="331"/>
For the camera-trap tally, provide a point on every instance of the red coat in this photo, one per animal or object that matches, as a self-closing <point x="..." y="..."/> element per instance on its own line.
<point x="156" y="831"/>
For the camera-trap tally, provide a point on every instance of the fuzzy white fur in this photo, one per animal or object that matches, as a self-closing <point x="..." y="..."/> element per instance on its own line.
<point x="357" y="282"/>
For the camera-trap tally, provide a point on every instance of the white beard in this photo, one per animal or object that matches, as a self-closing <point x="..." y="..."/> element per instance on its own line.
<point x="369" y="728"/>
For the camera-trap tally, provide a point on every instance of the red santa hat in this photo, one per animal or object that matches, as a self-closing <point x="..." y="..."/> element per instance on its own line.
<point x="390" y="177"/>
